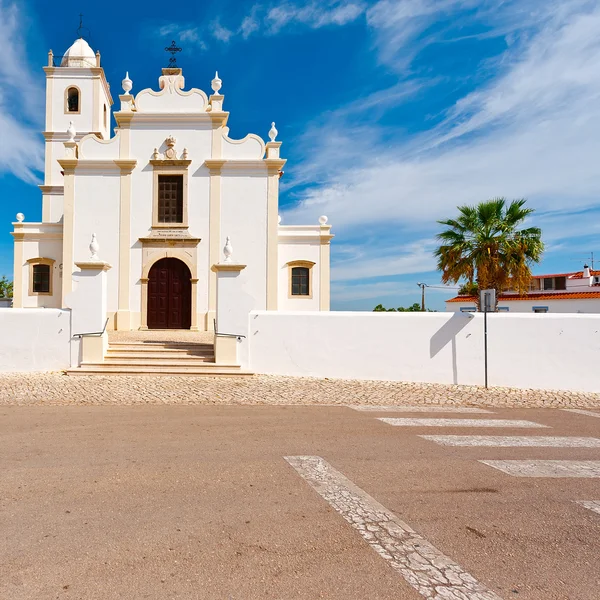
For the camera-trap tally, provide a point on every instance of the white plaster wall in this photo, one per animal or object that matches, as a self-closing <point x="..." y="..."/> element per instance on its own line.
<point x="97" y="200"/>
<point x="197" y="138"/>
<point x="530" y="351"/>
<point x="81" y="78"/>
<point x="244" y="220"/>
<point x="57" y="210"/>
<point x="297" y="251"/>
<point x="92" y="147"/>
<point x="57" y="152"/>
<point x="35" y="339"/>
<point x="250" y="147"/>
<point x="177" y="101"/>
<point x="591" y="305"/>
<point x="42" y="249"/>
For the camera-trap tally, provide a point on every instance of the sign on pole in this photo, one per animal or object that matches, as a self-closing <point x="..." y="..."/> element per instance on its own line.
<point x="487" y="303"/>
<point x="487" y="300"/>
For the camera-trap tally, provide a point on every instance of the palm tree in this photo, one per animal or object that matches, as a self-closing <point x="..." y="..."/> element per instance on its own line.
<point x="484" y="246"/>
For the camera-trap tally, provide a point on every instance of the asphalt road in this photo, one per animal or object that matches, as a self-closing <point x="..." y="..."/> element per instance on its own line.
<point x="198" y="502"/>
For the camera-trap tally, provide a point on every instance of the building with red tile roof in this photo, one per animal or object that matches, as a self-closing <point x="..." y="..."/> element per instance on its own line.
<point x="577" y="292"/>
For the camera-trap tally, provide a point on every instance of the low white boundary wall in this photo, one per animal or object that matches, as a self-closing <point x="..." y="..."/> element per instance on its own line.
<point x="35" y="339"/>
<point x="539" y="351"/>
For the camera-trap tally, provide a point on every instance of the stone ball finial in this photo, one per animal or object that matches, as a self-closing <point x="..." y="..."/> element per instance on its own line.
<point x="94" y="247"/>
<point x="228" y="250"/>
<point x="323" y="220"/>
<point x="273" y="132"/>
<point x="216" y="83"/>
<point x="71" y="131"/>
<point x="20" y="217"/>
<point x="127" y="83"/>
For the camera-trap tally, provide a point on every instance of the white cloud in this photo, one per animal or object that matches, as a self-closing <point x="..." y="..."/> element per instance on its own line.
<point x="250" y="24"/>
<point x="533" y="132"/>
<point x="219" y="32"/>
<point x="21" y="96"/>
<point x="313" y="14"/>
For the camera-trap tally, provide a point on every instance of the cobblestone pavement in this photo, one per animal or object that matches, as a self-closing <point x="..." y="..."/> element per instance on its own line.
<point x="58" y="388"/>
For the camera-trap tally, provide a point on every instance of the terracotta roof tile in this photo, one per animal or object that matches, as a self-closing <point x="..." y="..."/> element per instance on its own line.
<point x="554" y="296"/>
<point x="572" y="275"/>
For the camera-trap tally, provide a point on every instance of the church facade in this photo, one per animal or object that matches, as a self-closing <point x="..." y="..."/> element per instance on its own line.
<point x="169" y="199"/>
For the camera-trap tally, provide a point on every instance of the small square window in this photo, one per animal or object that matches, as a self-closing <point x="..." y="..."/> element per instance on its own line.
<point x="540" y="309"/>
<point x="300" y="281"/>
<point x="41" y="279"/>
<point x="467" y="309"/>
<point x="503" y="309"/>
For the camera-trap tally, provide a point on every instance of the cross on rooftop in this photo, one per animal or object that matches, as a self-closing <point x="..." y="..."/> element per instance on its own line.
<point x="173" y="49"/>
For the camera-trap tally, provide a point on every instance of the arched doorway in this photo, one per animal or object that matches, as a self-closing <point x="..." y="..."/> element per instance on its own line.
<point x="169" y="295"/>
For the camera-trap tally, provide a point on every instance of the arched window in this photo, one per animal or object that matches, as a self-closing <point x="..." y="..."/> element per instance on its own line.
<point x="40" y="276"/>
<point x="105" y="118"/>
<point x="300" y="275"/>
<point x="73" y="100"/>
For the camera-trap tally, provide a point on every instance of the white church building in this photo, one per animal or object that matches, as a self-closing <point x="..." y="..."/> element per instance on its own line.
<point x="170" y="200"/>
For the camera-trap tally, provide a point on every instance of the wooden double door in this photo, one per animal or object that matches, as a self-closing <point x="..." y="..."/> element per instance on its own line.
<point x="169" y="295"/>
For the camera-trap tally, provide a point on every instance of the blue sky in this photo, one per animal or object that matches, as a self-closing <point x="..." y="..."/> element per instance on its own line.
<point x="392" y="113"/>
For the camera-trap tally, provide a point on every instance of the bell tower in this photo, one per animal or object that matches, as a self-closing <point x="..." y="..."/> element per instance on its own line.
<point x="76" y="92"/>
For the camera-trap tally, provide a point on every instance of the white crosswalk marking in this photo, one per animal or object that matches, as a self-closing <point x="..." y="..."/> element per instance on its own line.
<point x="580" y="411"/>
<point x="431" y="573"/>
<point x="547" y="468"/>
<point x="499" y="441"/>
<point x="591" y="504"/>
<point x="415" y="422"/>
<point x="419" y="409"/>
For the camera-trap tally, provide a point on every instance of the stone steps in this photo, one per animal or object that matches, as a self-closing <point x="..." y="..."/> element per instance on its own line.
<point x="158" y="358"/>
<point x="160" y="353"/>
<point x="208" y="369"/>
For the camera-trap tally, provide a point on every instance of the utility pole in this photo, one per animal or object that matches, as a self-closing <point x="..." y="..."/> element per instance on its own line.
<point x="422" y="286"/>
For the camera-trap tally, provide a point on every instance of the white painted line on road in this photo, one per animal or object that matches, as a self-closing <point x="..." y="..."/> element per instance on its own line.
<point x="409" y="422"/>
<point x="435" y="409"/>
<point x="580" y="411"/>
<point x="509" y="441"/>
<point x="430" y="572"/>
<point x="591" y="504"/>
<point x="547" y="468"/>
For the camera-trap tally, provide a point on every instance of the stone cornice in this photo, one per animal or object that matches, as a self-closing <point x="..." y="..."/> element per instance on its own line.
<point x="63" y="136"/>
<point x="214" y="165"/>
<point x="158" y="162"/>
<point x="123" y="119"/>
<point x="274" y="165"/>
<point x="52" y="190"/>
<point x="171" y="118"/>
<point x="126" y="164"/>
<point x="68" y="165"/>
<point x="218" y="118"/>
<point x="222" y="164"/>
<point x="37" y="231"/>
<point x="228" y="267"/>
<point x="170" y="241"/>
<point x="96" y="265"/>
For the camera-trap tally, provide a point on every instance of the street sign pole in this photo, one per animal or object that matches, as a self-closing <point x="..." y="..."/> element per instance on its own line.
<point x="485" y="356"/>
<point x="487" y="300"/>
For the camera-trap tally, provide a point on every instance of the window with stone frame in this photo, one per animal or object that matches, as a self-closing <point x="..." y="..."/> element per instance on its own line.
<point x="41" y="279"/>
<point x="73" y="100"/>
<point x="300" y="281"/>
<point x="170" y="198"/>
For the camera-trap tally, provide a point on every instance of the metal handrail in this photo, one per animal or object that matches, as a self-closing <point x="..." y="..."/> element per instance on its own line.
<point x="239" y="336"/>
<point x="95" y="333"/>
